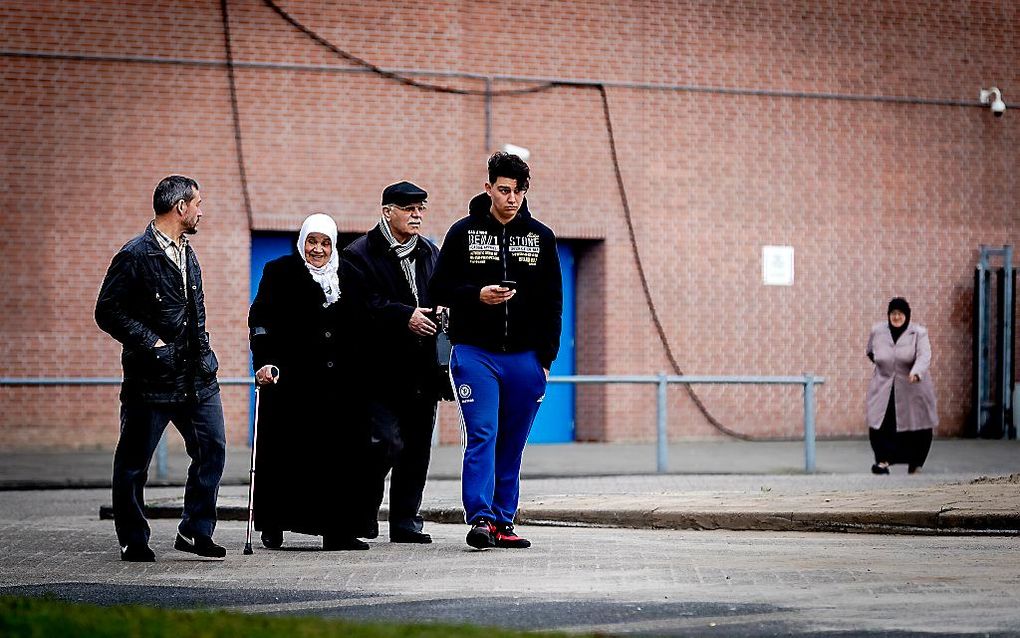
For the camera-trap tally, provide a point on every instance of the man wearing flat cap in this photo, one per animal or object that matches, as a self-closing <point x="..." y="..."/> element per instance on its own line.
<point x="388" y="274"/>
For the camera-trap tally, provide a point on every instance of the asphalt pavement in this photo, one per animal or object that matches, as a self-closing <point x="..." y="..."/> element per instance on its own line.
<point x="724" y="543"/>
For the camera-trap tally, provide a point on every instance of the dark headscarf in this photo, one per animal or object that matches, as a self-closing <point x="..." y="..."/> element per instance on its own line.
<point x="898" y="303"/>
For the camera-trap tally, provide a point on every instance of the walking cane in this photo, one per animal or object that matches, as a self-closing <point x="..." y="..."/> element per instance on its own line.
<point x="274" y="372"/>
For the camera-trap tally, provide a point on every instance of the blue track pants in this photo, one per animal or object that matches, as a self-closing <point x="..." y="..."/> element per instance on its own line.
<point x="499" y="395"/>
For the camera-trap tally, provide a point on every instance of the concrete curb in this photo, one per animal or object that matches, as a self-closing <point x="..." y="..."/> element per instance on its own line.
<point x="980" y="507"/>
<point x="870" y="522"/>
<point x="874" y="522"/>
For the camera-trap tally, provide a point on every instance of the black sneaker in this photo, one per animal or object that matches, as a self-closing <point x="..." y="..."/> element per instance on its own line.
<point x="272" y="538"/>
<point x="139" y="553"/>
<point x="506" y="537"/>
<point x="332" y="543"/>
<point x="879" y="469"/>
<point x="482" y="534"/>
<point x="203" y="546"/>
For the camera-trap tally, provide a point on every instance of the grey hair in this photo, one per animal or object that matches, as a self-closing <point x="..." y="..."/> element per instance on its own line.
<point x="172" y="189"/>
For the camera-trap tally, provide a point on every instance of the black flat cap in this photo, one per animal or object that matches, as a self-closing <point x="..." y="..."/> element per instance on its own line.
<point x="403" y="194"/>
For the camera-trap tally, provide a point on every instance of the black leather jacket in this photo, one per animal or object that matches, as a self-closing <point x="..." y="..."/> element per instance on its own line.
<point x="142" y="300"/>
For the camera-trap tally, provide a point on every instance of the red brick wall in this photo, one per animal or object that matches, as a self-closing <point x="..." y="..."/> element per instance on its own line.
<point x="877" y="198"/>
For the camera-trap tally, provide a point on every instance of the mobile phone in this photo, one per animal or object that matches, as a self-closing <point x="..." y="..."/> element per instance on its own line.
<point x="508" y="283"/>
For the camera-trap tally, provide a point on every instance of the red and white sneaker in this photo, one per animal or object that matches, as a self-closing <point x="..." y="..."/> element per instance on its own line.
<point x="482" y="534"/>
<point x="506" y="537"/>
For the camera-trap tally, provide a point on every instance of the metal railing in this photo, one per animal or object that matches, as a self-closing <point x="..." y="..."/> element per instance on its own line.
<point x="162" y="472"/>
<point x="662" y="381"/>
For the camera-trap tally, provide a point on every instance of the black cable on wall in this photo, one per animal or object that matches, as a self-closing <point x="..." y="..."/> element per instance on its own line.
<point x="644" y="279"/>
<point x="236" y="114"/>
<point x="660" y="331"/>
<point x="438" y="88"/>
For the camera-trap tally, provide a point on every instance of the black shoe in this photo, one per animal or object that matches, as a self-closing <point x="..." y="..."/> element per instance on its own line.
<point x="342" y="543"/>
<point x="139" y="553"/>
<point x="913" y="469"/>
<point x="482" y="534"/>
<point x="506" y="537"/>
<point x="370" y="530"/>
<point x="879" y="469"/>
<point x="203" y="546"/>
<point x="272" y="538"/>
<point x="409" y="536"/>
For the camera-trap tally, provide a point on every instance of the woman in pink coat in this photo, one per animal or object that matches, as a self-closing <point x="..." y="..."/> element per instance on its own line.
<point x="901" y="398"/>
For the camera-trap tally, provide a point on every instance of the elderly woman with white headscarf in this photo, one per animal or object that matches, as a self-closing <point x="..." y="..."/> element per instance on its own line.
<point x="309" y="441"/>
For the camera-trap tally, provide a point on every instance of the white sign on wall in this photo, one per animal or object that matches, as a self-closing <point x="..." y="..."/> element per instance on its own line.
<point x="777" y="265"/>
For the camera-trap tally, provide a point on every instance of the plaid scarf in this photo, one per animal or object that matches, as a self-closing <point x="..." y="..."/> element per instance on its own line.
<point x="403" y="253"/>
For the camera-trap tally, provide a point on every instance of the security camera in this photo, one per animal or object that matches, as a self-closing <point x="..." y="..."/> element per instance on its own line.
<point x="997" y="105"/>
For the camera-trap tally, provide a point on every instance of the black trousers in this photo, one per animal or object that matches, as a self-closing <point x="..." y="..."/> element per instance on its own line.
<point x="401" y="442"/>
<point x="891" y="446"/>
<point x="141" y="426"/>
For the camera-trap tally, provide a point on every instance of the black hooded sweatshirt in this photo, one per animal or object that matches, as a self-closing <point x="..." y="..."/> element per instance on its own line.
<point x="480" y="251"/>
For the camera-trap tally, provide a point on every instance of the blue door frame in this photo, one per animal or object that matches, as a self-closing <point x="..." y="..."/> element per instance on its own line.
<point x="555" y="420"/>
<point x="265" y="247"/>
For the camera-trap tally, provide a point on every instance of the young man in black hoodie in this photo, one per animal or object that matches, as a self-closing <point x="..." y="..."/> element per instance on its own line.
<point x="499" y="273"/>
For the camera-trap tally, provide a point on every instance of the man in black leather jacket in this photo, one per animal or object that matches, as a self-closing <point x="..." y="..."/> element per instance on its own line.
<point x="152" y="302"/>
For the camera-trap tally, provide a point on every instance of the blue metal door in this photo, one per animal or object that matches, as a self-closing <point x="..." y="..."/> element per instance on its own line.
<point x="555" y="420"/>
<point x="265" y="247"/>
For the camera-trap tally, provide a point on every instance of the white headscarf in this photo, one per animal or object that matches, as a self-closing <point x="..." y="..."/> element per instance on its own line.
<point x="327" y="275"/>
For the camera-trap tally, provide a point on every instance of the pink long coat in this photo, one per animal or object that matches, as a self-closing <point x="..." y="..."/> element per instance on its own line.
<point x="894" y="363"/>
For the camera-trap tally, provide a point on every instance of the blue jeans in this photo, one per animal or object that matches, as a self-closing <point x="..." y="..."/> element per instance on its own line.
<point x="141" y="426"/>
<point x="499" y="395"/>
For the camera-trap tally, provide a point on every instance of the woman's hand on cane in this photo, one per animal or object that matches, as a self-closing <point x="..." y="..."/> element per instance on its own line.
<point x="267" y="374"/>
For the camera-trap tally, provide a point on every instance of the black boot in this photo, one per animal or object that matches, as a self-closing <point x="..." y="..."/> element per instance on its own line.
<point x="398" y="535"/>
<point x="340" y="543"/>
<point x="272" y="538"/>
<point x="370" y="529"/>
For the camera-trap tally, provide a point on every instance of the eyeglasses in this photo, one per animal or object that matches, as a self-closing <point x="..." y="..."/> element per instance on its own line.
<point x="413" y="208"/>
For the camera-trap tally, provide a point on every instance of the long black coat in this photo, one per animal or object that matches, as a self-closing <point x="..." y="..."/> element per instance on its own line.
<point x="310" y="435"/>
<point x="399" y="365"/>
<point x="142" y="299"/>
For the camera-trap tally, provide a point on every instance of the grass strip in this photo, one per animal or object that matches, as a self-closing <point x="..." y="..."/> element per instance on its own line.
<point x="46" y="618"/>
